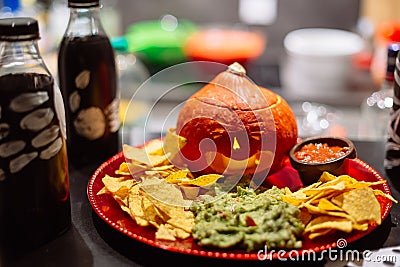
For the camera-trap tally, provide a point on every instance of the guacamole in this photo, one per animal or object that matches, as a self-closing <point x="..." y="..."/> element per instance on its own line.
<point x="247" y="220"/>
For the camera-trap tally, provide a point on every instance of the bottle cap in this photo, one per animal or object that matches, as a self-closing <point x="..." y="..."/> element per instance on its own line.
<point x="83" y="3"/>
<point x="19" y="29"/>
<point x="393" y="50"/>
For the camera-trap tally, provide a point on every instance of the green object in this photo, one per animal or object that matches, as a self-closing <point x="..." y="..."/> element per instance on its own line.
<point x="247" y="220"/>
<point x="159" y="43"/>
<point x="119" y="43"/>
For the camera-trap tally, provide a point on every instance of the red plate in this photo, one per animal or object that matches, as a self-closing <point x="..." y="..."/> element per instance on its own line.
<point x="108" y="209"/>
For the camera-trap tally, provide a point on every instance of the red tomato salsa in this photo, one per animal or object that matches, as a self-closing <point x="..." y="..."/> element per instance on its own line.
<point x="320" y="153"/>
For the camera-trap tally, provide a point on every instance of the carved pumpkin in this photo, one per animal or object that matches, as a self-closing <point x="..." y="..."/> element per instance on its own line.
<point x="233" y="126"/>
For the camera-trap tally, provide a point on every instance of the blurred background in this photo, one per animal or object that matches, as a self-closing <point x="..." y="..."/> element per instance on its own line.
<point x="327" y="72"/>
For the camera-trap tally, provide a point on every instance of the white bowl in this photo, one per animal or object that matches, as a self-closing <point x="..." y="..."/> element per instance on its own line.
<point x="318" y="63"/>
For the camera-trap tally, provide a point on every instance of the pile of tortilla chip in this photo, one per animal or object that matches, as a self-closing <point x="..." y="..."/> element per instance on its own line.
<point x="153" y="190"/>
<point x="152" y="202"/>
<point x="337" y="204"/>
<point x="162" y="159"/>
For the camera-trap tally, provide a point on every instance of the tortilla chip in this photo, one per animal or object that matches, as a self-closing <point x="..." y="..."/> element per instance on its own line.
<point x="326" y="177"/>
<point x="305" y="216"/>
<point x="102" y="191"/>
<point x="151" y="213"/>
<point x="173" y="143"/>
<point x="139" y="155"/>
<point x="154" y="147"/>
<point x="185" y="222"/>
<point x="190" y="192"/>
<point x="164" y="168"/>
<point x="325" y="204"/>
<point x="362" y="205"/>
<point x="177" y="177"/>
<point x="338" y="200"/>
<point x="119" y="187"/>
<point x="328" y="223"/>
<point x="179" y="233"/>
<point x="316" y="211"/>
<point x="380" y="193"/>
<point x="164" y="192"/>
<point x="322" y="232"/>
<point x="164" y="234"/>
<point x="360" y="227"/>
<point x="204" y="180"/>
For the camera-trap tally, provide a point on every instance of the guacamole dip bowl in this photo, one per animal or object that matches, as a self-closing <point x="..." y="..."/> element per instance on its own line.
<point x="312" y="156"/>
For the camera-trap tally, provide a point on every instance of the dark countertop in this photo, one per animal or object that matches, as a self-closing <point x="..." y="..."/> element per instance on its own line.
<point x="91" y="242"/>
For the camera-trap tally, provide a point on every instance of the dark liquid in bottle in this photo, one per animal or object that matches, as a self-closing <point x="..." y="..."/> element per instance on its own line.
<point x="34" y="188"/>
<point x="392" y="157"/>
<point x="88" y="83"/>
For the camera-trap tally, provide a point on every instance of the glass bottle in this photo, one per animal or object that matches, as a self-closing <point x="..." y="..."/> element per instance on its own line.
<point x="392" y="156"/>
<point x="88" y="82"/>
<point x="34" y="187"/>
<point x="375" y="109"/>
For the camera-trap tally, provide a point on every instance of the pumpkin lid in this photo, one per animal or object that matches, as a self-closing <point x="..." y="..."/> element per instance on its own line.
<point x="234" y="90"/>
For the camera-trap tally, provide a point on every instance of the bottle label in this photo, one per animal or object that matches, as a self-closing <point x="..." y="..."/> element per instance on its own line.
<point x="92" y="122"/>
<point x="31" y="124"/>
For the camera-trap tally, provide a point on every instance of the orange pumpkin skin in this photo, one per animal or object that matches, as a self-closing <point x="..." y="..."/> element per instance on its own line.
<point x="218" y="118"/>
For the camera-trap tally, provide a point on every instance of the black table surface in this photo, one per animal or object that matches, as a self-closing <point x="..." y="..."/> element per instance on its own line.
<point x="91" y="242"/>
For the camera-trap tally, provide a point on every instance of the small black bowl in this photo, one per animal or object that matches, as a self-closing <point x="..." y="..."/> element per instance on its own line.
<point x="310" y="172"/>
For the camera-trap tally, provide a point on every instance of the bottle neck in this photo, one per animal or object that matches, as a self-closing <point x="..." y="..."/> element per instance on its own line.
<point x="84" y="22"/>
<point x="20" y="56"/>
<point x="390" y="67"/>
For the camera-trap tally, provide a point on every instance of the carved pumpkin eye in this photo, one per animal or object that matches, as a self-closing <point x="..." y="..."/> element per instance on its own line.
<point x="236" y="145"/>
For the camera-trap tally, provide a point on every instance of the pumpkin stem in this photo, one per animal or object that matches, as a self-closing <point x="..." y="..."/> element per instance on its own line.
<point x="237" y="69"/>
